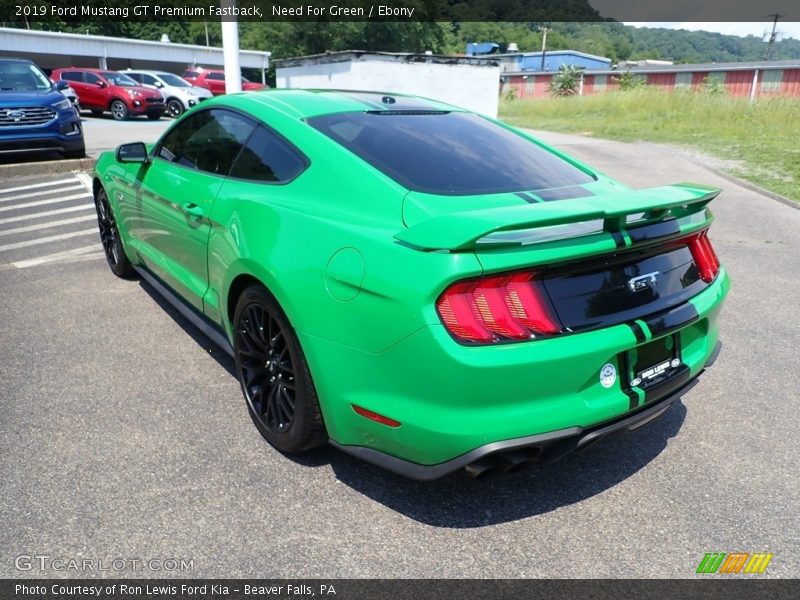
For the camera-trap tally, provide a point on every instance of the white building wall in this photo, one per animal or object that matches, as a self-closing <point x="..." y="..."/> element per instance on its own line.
<point x="474" y="87"/>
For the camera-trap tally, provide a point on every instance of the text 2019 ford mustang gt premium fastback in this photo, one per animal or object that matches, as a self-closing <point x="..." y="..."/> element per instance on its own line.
<point x="420" y="286"/>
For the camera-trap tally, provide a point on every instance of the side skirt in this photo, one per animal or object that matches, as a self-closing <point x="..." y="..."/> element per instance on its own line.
<point x="201" y="322"/>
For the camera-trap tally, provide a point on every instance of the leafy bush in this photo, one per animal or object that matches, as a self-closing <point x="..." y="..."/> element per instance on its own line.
<point x="629" y="81"/>
<point x="714" y="86"/>
<point x="566" y="81"/>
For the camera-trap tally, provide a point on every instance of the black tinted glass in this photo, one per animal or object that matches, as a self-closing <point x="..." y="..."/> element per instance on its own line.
<point x="267" y="157"/>
<point x="208" y="140"/>
<point x="449" y="153"/>
<point x="71" y="76"/>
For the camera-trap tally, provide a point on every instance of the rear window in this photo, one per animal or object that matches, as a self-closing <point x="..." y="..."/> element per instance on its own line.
<point x="449" y="153"/>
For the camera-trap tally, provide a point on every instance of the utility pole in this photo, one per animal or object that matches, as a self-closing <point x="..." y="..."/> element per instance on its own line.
<point x="544" y="31"/>
<point x="230" y="50"/>
<point x="772" y="36"/>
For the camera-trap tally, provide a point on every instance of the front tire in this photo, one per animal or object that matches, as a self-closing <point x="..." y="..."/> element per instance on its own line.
<point x="109" y="237"/>
<point x="175" y="108"/>
<point x="274" y="374"/>
<point x="119" y="111"/>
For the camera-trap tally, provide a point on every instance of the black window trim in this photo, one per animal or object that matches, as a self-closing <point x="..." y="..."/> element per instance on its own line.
<point x="258" y="122"/>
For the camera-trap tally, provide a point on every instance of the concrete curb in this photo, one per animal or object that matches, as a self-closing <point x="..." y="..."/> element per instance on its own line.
<point x="48" y="167"/>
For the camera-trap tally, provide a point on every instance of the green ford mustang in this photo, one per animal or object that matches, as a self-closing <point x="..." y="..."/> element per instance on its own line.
<point x="420" y="286"/>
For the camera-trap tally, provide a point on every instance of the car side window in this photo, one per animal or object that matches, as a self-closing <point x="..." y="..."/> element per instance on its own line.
<point x="70" y="76"/>
<point x="190" y="73"/>
<point x="217" y="76"/>
<point x="267" y="157"/>
<point x="148" y="79"/>
<point x="208" y="140"/>
<point x="91" y="78"/>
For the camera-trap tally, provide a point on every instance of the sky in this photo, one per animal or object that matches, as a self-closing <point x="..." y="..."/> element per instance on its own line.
<point x="789" y="29"/>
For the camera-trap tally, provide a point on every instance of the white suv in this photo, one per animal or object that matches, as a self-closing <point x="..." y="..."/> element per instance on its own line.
<point x="180" y="95"/>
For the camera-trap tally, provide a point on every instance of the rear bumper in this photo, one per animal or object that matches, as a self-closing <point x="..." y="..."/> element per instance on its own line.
<point x="540" y="449"/>
<point x="451" y="400"/>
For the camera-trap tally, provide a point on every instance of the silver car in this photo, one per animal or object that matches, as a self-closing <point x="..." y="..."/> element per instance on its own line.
<point x="69" y="93"/>
<point x="179" y="94"/>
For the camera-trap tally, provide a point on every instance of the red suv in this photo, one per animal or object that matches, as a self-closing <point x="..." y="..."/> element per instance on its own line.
<point x="214" y="80"/>
<point x="100" y="90"/>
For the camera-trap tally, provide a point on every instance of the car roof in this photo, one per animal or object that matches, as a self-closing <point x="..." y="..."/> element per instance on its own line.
<point x="88" y="69"/>
<point x="147" y="72"/>
<point x="304" y="104"/>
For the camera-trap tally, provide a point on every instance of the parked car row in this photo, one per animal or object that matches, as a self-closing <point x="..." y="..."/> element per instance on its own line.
<point x="35" y="116"/>
<point x="40" y="114"/>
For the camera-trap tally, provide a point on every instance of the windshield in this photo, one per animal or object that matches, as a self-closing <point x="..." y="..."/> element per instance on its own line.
<point x="23" y="76"/>
<point x="115" y="78"/>
<point x="449" y="153"/>
<point x="174" y="80"/>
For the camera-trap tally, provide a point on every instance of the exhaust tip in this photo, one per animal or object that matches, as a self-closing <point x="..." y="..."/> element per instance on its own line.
<point x="504" y="462"/>
<point x="481" y="467"/>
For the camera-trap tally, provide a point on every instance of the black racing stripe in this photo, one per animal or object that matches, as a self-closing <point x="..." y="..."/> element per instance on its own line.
<point x="619" y="240"/>
<point x="624" y="367"/>
<point x="638" y="332"/>
<point x="564" y="193"/>
<point x="527" y="197"/>
<point x="672" y="319"/>
<point x="654" y="231"/>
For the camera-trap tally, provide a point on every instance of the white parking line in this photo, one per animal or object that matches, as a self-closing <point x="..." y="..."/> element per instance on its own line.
<point x="74" y="187"/>
<point x="43" y="202"/>
<point x="34" y="186"/>
<point x="46" y="225"/>
<point x="48" y="213"/>
<point x="66" y="254"/>
<point x="48" y="239"/>
<point x="86" y="180"/>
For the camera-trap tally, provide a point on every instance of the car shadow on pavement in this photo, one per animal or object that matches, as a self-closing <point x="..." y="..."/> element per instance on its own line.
<point x="222" y="358"/>
<point x="457" y="501"/>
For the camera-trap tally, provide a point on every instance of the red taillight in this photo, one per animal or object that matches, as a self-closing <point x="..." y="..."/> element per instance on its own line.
<point x="704" y="256"/>
<point x="373" y="416"/>
<point x="496" y="308"/>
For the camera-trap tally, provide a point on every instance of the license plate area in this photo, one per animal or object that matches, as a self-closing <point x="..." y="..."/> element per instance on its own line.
<point x="655" y="361"/>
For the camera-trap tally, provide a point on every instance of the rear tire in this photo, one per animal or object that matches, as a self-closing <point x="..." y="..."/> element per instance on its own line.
<point x="274" y="375"/>
<point x="109" y="237"/>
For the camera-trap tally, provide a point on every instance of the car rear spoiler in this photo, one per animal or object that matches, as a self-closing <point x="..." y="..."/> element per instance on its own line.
<point x="465" y="230"/>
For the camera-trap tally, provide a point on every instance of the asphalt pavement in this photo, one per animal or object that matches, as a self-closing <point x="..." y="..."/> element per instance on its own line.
<point x="123" y="433"/>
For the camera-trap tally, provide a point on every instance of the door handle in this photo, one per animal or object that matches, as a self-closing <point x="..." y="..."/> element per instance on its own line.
<point x="192" y="209"/>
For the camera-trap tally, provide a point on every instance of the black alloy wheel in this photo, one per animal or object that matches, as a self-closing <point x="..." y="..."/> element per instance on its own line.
<point x="109" y="237"/>
<point x="175" y="108"/>
<point x="274" y="375"/>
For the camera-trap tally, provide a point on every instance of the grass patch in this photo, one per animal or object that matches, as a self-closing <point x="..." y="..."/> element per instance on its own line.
<point x="762" y="140"/>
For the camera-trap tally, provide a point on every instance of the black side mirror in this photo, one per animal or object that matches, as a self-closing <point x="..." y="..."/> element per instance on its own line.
<point x="61" y="84"/>
<point x="101" y="84"/>
<point x="135" y="152"/>
<point x="159" y="84"/>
